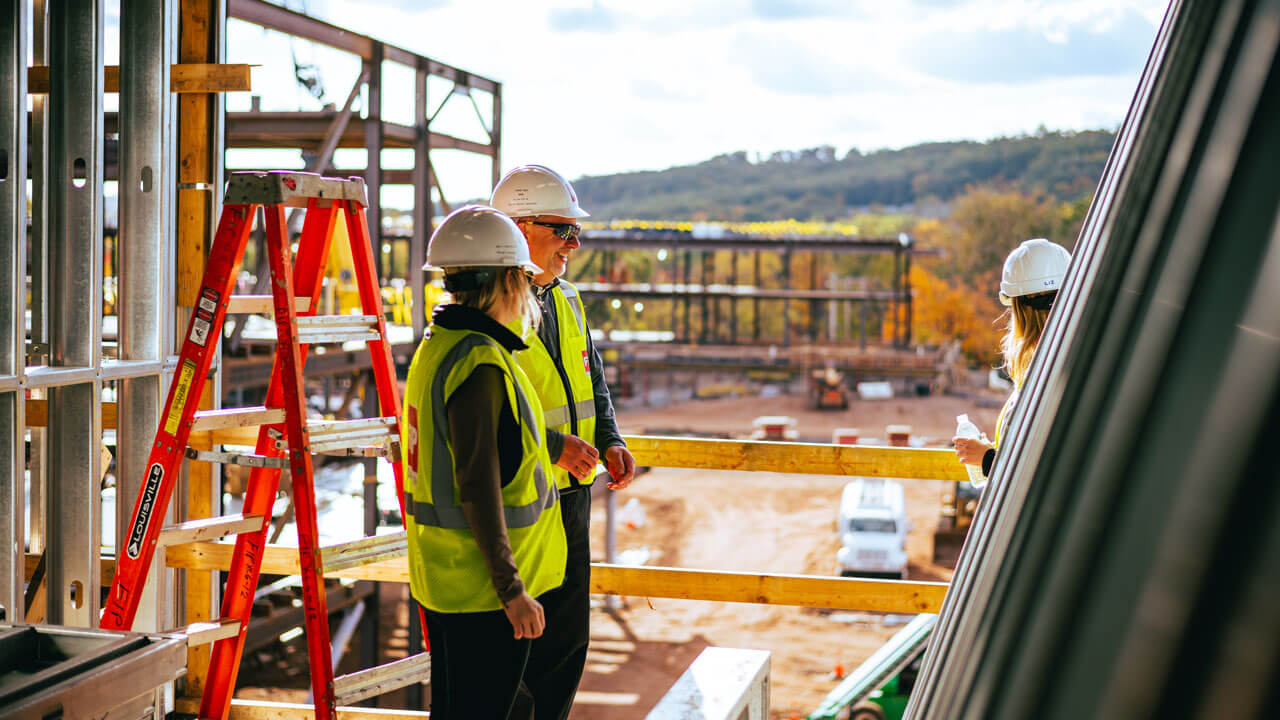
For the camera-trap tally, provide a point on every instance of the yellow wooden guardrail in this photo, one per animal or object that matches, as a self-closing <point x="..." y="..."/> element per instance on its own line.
<point x="764" y="588"/>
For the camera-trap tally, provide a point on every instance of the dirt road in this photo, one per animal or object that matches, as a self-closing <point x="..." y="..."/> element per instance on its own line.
<point x="750" y="522"/>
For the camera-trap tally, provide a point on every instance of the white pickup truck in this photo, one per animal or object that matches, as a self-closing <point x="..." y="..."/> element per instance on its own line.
<point x="873" y="526"/>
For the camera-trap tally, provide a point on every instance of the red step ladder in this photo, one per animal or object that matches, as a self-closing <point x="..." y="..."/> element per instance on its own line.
<point x="285" y="437"/>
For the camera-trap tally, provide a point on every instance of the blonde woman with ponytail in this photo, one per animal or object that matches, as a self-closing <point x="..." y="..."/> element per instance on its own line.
<point x="486" y="540"/>
<point x="1029" y="284"/>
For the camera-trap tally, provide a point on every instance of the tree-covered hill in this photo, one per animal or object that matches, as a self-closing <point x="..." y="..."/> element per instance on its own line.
<point x="815" y="184"/>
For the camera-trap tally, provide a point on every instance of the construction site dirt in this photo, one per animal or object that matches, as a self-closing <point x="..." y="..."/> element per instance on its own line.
<point x="734" y="521"/>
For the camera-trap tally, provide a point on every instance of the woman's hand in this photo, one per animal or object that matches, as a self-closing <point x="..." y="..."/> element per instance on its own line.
<point x="578" y="457"/>
<point x="526" y="616"/>
<point x="970" y="450"/>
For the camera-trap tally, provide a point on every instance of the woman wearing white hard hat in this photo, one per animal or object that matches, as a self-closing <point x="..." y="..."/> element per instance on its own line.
<point x="485" y="535"/>
<point x="1029" y="284"/>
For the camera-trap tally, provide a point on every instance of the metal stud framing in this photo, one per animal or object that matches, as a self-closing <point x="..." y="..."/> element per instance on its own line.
<point x="147" y="111"/>
<point x="13" y="163"/>
<point x="73" y="513"/>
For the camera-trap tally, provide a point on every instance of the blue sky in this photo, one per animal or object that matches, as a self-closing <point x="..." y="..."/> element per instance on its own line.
<point x="604" y="86"/>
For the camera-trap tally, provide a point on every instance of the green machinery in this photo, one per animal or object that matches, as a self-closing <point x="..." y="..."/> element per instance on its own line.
<point x="879" y="688"/>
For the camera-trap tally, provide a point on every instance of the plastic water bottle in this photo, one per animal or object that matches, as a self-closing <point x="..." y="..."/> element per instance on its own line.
<point x="966" y="429"/>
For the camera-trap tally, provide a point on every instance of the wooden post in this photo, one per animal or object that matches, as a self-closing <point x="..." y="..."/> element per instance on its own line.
<point x="198" y="42"/>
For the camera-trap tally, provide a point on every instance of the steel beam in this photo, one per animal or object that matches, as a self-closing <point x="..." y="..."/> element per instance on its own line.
<point x="275" y="17"/>
<point x="13" y="227"/>
<point x="75" y="309"/>
<point x="146" y="139"/>
<point x="422" y="207"/>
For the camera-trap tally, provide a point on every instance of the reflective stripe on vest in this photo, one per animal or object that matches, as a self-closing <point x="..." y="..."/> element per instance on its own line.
<point x="559" y="395"/>
<point x="447" y="569"/>
<point x="442" y="480"/>
<point x="558" y="416"/>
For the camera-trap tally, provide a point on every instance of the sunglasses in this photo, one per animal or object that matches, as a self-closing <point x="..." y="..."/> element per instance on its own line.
<point x="564" y="231"/>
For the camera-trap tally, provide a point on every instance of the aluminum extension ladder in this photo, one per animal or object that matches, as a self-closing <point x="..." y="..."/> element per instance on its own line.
<point x="286" y="439"/>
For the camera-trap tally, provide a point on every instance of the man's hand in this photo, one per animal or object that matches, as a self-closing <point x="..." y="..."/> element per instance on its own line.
<point x="578" y="457"/>
<point x="622" y="467"/>
<point x="970" y="451"/>
<point x="526" y="616"/>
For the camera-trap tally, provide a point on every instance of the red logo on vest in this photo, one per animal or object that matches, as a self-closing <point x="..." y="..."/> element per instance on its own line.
<point x="413" y="439"/>
<point x="586" y="364"/>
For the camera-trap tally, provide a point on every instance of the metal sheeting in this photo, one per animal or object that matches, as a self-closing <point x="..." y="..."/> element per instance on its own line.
<point x="1122" y="562"/>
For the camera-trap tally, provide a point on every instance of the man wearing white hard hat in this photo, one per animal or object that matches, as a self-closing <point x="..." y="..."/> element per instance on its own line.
<point x="1029" y="284"/>
<point x="486" y="541"/>
<point x="563" y="365"/>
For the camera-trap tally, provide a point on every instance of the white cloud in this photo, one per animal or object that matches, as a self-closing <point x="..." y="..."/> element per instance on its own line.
<point x="602" y="86"/>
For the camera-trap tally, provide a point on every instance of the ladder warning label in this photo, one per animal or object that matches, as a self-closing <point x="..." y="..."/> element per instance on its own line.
<point x="147" y="503"/>
<point x="209" y="300"/>
<point x="199" y="331"/>
<point x="181" y="388"/>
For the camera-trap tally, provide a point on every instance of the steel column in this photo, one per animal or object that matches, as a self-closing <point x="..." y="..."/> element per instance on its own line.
<point x="786" y="303"/>
<point x="38" y="260"/>
<point x="146" y="139"/>
<point x="495" y="133"/>
<point x="733" y="301"/>
<point x="13" y="228"/>
<point x="373" y="141"/>
<point x="421" y="205"/>
<point x="75" y="310"/>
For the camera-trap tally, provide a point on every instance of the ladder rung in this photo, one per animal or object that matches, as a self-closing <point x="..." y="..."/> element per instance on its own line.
<point x="203" y="633"/>
<point x="262" y="304"/>
<point x="328" y="436"/>
<point x="325" y="428"/>
<point x="362" y="451"/>
<point x="337" y="328"/>
<point x="245" y="459"/>
<point x="207" y="529"/>
<point x="236" y="418"/>
<point x="364" y="684"/>
<point x="364" y="551"/>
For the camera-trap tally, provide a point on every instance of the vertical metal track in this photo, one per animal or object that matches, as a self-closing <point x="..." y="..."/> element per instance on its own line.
<point x="38" y="257"/>
<point x="13" y="236"/>
<point x="373" y="131"/>
<point x="146" y="139"/>
<point x="75" y="309"/>
<point x="422" y="209"/>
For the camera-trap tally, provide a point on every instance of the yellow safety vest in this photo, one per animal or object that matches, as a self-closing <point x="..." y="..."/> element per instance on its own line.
<point x="557" y="392"/>
<point x="1003" y="417"/>
<point x="447" y="572"/>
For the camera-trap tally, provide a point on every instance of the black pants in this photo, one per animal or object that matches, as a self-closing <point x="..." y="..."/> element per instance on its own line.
<point x="557" y="658"/>
<point x="476" y="665"/>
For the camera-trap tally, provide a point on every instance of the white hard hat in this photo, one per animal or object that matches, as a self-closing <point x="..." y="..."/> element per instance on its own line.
<point x="536" y="190"/>
<point x="1035" y="266"/>
<point x="478" y="236"/>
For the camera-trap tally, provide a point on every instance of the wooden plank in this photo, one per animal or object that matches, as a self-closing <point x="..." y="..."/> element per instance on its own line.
<point x="183" y="78"/>
<point x="262" y="304"/>
<point x="266" y="710"/>
<point x="108" y="565"/>
<point x="759" y="588"/>
<point x="245" y="417"/>
<point x="209" y="77"/>
<point x="208" y="529"/>
<point x="38" y="414"/>
<point x="806" y="458"/>
<point x="899" y="596"/>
